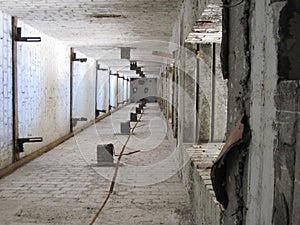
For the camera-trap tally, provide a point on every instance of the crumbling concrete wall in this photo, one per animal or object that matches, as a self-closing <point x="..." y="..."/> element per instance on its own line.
<point x="6" y="135"/>
<point x="189" y="94"/>
<point x="251" y="82"/>
<point x="261" y="188"/>
<point x="185" y="99"/>
<point x="289" y="45"/>
<point x="190" y="11"/>
<point x="286" y="207"/>
<point x="212" y="123"/>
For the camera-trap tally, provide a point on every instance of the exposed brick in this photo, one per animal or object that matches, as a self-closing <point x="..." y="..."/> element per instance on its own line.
<point x="287" y="96"/>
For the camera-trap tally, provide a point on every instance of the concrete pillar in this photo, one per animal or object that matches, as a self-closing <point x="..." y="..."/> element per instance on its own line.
<point x="6" y="96"/>
<point x="113" y="95"/>
<point x="102" y="95"/>
<point x="189" y="94"/>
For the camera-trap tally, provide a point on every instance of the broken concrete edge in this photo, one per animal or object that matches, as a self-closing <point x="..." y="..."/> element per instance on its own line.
<point x="199" y="186"/>
<point x="203" y="167"/>
<point x="23" y="161"/>
<point x="239" y="139"/>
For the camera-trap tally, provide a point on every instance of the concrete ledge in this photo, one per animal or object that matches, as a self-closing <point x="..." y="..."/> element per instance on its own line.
<point x="196" y="176"/>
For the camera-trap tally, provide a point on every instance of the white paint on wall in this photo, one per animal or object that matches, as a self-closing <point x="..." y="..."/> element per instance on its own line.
<point x="102" y="90"/>
<point x="120" y="90"/>
<point x="263" y="114"/>
<point x="113" y="92"/>
<point x="84" y="88"/>
<point x="43" y="88"/>
<point x="5" y="91"/>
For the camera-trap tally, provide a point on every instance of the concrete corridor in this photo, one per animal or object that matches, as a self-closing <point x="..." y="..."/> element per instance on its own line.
<point x="64" y="186"/>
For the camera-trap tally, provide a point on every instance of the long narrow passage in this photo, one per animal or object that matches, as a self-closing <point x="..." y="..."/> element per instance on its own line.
<point x="65" y="185"/>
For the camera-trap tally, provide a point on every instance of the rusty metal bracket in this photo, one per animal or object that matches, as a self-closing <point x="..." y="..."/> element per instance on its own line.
<point x="78" y="59"/>
<point x="133" y="65"/>
<point x="19" y="37"/>
<point x="98" y="111"/>
<point x="21" y="141"/>
<point x="75" y="120"/>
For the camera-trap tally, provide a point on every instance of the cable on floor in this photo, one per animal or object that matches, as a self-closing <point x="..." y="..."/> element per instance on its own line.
<point x="112" y="185"/>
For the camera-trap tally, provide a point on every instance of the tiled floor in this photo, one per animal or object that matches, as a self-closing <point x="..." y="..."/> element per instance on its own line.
<point x="64" y="187"/>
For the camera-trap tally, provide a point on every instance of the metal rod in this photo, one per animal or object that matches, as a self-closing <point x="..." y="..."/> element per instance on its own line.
<point x="128" y="90"/>
<point x="117" y="93"/>
<point x="15" y="152"/>
<point x="225" y="41"/>
<point x="96" y="89"/>
<point x="197" y="79"/>
<point x="213" y="92"/>
<point x="71" y="88"/>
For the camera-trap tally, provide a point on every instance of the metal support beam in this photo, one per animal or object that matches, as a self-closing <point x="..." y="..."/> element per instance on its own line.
<point x="96" y="89"/>
<point x="109" y="89"/>
<point x="16" y="152"/>
<point x="19" y="37"/>
<point x="71" y="88"/>
<point x="197" y="79"/>
<point x="213" y="92"/>
<point x="117" y="94"/>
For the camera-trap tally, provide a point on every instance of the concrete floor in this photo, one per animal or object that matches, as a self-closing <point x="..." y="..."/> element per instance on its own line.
<point x="64" y="186"/>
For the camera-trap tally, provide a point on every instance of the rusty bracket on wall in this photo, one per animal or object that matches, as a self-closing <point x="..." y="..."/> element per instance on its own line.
<point x="101" y="69"/>
<point x="98" y="111"/>
<point x="19" y="37"/>
<point x="21" y="142"/>
<point x="133" y="65"/>
<point x="78" y="59"/>
<point x="75" y="120"/>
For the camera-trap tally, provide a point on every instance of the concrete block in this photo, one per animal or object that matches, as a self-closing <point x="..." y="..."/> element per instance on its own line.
<point x="105" y="153"/>
<point x="133" y="117"/>
<point x="138" y="110"/>
<point x="125" y="127"/>
<point x="125" y="53"/>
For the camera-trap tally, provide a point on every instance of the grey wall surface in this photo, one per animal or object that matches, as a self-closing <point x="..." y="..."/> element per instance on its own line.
<point x="143" y="88"/>
<point x="263" y="185"/>
<point x="184" y="125"/>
